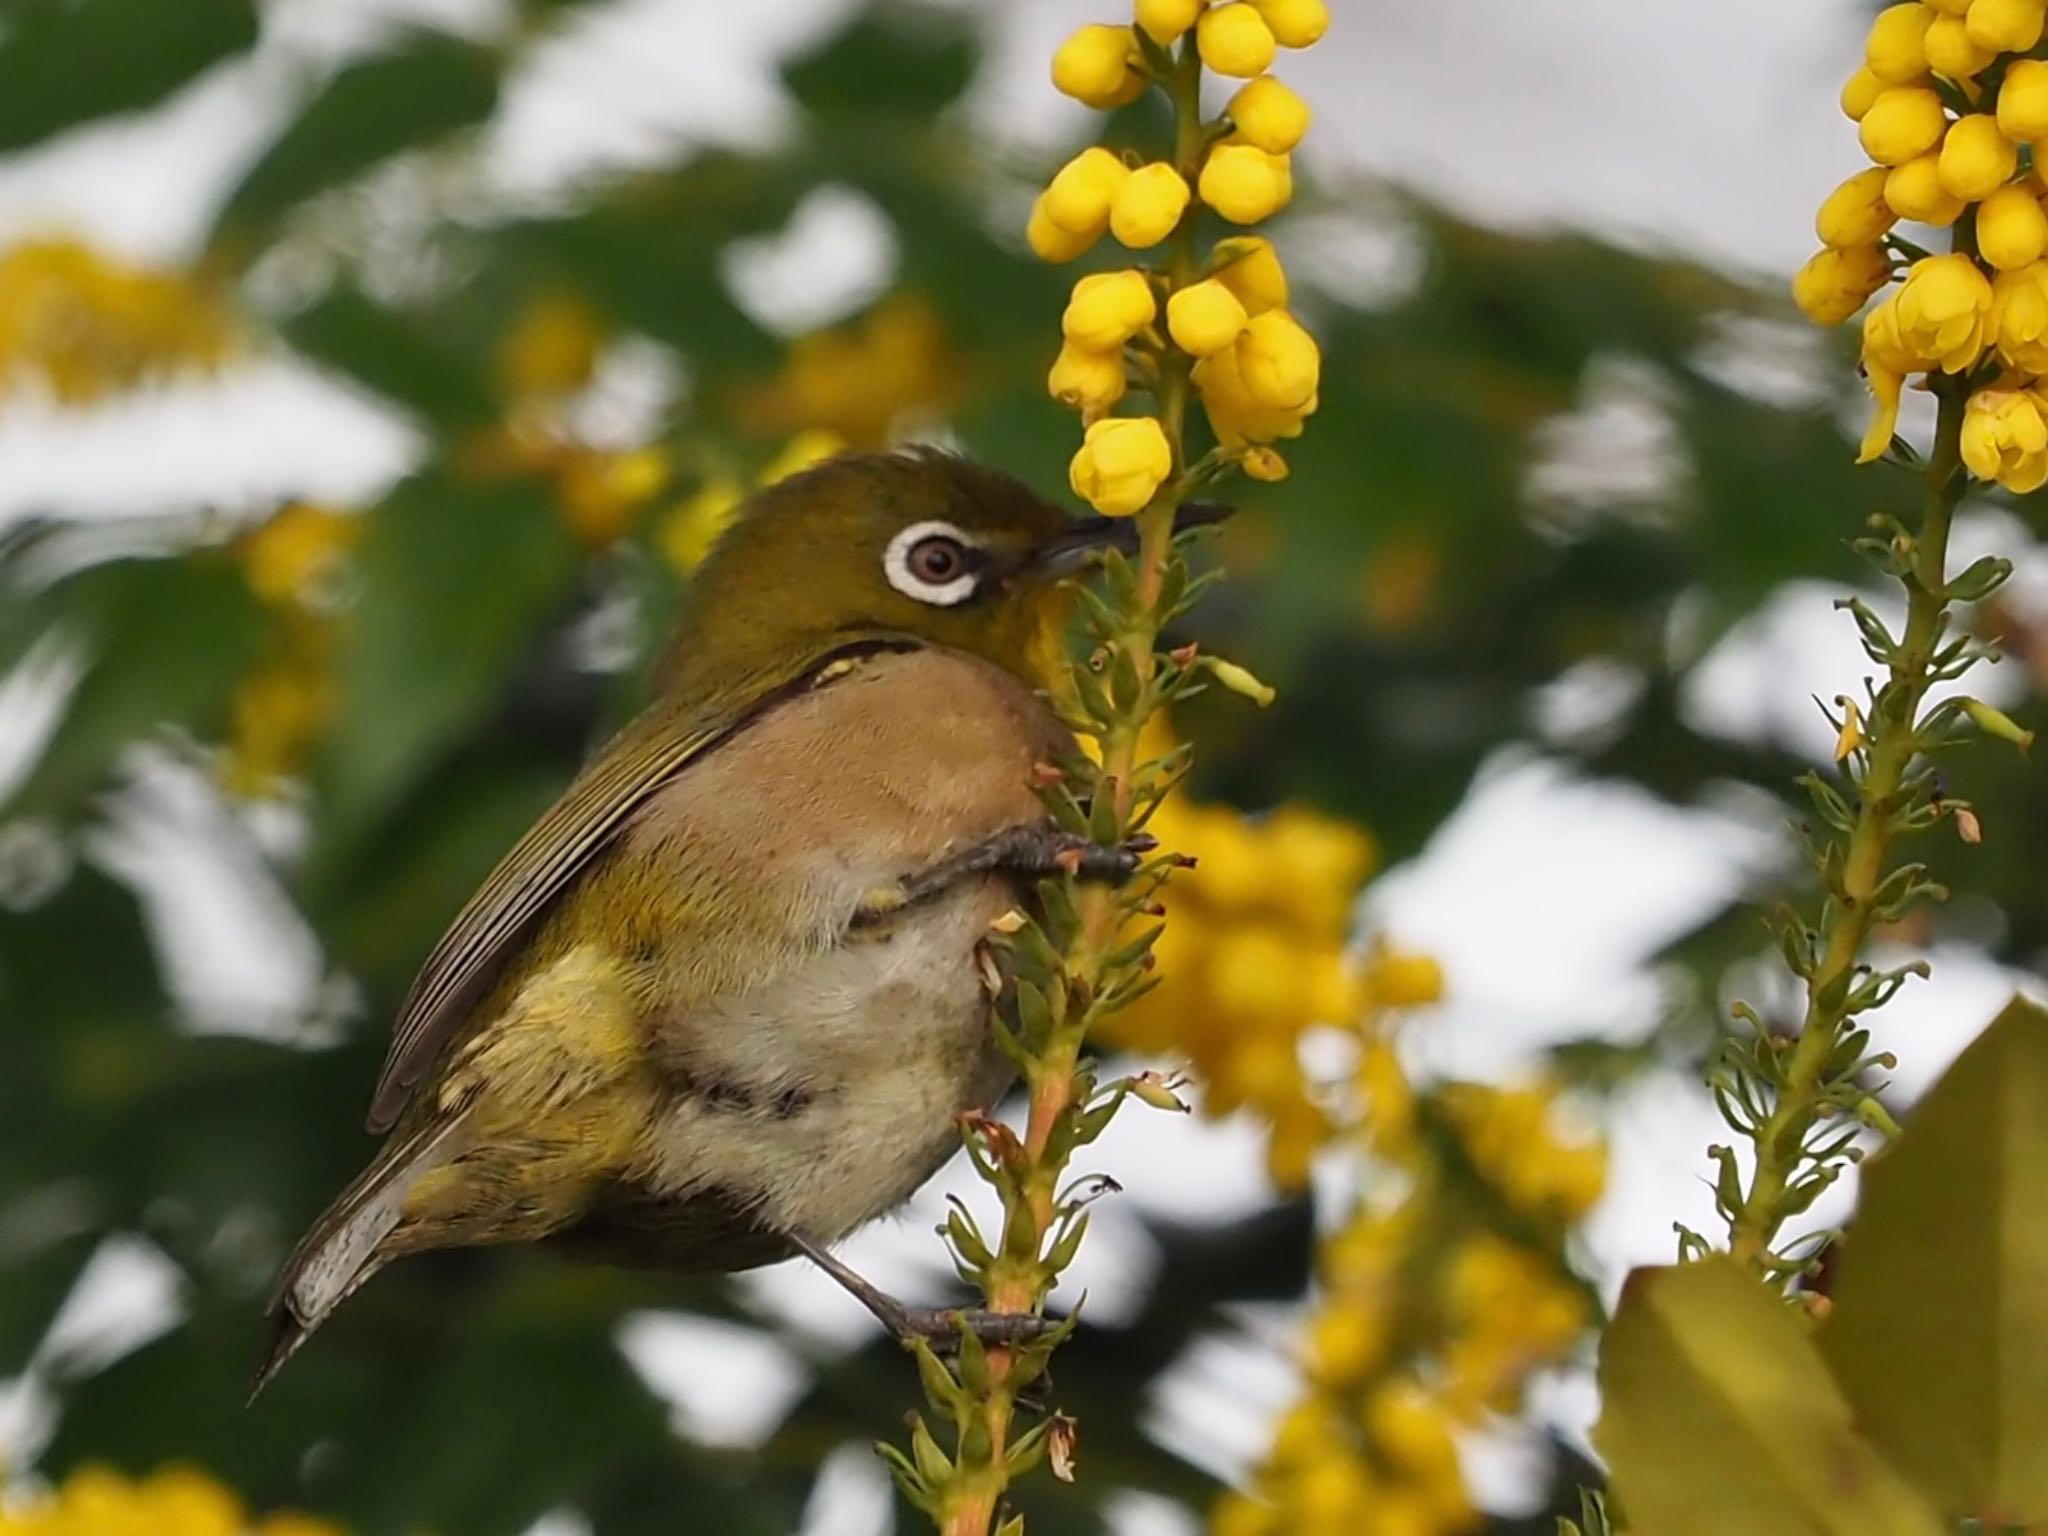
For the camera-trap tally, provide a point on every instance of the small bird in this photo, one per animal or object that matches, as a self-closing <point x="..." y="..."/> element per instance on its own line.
<point x="725" y="1001"/>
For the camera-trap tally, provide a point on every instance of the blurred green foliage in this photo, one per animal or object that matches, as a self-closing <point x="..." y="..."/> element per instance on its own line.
<point x="1397" y="590"/>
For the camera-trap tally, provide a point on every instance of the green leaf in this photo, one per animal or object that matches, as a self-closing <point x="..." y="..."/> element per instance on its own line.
<point x="366" y="113"/>
<point x="1939" y="1333"/>
<point x="62" y="64"/>
<point x="458" y="583"/>
<point x="391" y="354"/>
<point x="915" y="65"/>
<point x="165" y="642"/>
<point x="1720" y="1416"/>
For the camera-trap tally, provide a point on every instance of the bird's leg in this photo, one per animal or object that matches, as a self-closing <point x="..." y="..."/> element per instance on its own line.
<point x="935" y="1325"/>
<point x="1037" y="851"/>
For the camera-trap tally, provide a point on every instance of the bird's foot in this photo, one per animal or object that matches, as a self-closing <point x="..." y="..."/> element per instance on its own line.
<point x="1039" y="851"/>
<point x="937" y="1326"/>
<point x="943" y="1326"/>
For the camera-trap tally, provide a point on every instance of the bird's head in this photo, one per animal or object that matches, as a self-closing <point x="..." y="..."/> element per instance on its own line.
<point x="917" y="543"/>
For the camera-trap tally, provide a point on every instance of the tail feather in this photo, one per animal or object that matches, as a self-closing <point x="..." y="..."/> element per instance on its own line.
<point x="344" y="1248"/>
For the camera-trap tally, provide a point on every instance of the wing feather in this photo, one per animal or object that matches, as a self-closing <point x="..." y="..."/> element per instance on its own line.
<point x="636" y="763"/>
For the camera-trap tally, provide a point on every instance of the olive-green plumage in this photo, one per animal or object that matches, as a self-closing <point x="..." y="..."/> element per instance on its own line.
<point x="725" y="998"/>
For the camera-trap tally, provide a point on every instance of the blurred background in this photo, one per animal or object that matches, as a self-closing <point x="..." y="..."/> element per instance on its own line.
<point x="374" y="372"/>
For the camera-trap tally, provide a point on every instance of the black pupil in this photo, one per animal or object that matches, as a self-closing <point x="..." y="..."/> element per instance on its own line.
<point x="936" y="560"/>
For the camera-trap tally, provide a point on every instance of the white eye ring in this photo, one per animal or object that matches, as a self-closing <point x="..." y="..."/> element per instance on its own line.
<point x="896" y="566"/>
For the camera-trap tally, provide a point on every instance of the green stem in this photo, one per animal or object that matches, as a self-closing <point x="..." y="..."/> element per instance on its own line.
<point x="1021" y="1281"/>
<point x="1894" y="742"/>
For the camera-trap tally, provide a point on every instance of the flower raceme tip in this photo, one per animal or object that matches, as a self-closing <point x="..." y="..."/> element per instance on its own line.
<point x="1945" y="144"/>
<point x="1226" y="328"/>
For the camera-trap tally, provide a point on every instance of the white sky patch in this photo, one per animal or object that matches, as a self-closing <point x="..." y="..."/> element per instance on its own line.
<point x="236" y="955"/>
<point x="1760" y="682"/>
<point x="560" y="1522"/>
<point x="851" y="1497"/>
<point x="726" y="1385"/>
<point x="1216" y="1406"/>
<point x="128" y="1293"/>
<point x="837" y="253"/>
<point x="1131" y="1512"/>
<point x="1785" y="364"/>
<point x="1617" y="451"/>
<point x="241" y="441"/>
<point x="1544" y="897"/>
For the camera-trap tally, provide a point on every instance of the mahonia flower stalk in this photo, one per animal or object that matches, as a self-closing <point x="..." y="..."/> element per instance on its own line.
<point x="1088" y="953"/>
<point x="1430" y="1319"/>
<point x="1957" y="124"/>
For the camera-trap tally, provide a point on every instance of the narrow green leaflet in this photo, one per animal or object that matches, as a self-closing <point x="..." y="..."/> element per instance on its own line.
<point x="1939" y="1334"/>
<point x="459" y="580"/>
<point x="368" y="112"/>
<point x="1720" y="1416"/>
<point x="66" y="62"/>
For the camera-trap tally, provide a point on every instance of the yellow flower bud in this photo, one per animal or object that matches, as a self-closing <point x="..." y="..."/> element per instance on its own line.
<point x="1346" y="1343"/>
<point x="1149" y="206"/>
<point x="1205" y="317"/>
<point x="2023" y="100"/>
<point x="1269" y="115"/>
<point x="1858" y="92"/>
<point x="1896" y="50"/>
<point x="1108" y="309"/>
<point x="1949" y="7"/>
<point x="1165" y="20"/>
<point x="1904" y="122"/>
<point x="1265" y="465"/>
<point x="1099" y="65"/>
<point x="1241" y="681"/>
<point x="1996" y="722"/>
<point x="1234" y="414"/>
<point x="1976" y="158"/>
<point x="1835" y="284"/>
<point x="1079" y="197"/>
<point x="1944" y="311"/>
<point x="1122" y="463"/>
<point x="1051" y="241"/>
<point x="1244" y="183"/>
<point x="2012" y="229"/>
<point x="2019" y="317"/>
<point x="1090" y="382"/>
<point x="2005" y="438"/>
<point x="1234" y="39"/>
<point x="1279" y="362"/>
<point x="1914" y="191"/>
<point x="1406" y="981"/>
<point x="1952" y="52"/>
<point x="1886" y="362"/>
<point x="2005" y="26"/>
<point x="1250" y="268"/>
<point x="1295" y="23"/>
<point x="1856" y="213"/>
<point x="1412" y="1429"/>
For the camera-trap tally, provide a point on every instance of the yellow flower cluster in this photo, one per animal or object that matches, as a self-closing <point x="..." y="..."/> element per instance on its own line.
<point x="866" y="381"/>
<point x="176" y="1501"/>
<point x="295" y="563"/>
<point x="1227" y="328"/>
<point x="1254" y="955"/>
<point x="81" y="326"/>
<point x="545" y="361"/>
<point x="1980" y="311"/>
<point x="1429" y="1321"/>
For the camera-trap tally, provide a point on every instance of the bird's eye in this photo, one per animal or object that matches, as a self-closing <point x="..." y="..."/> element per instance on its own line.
<point x="936" y="560"/>
<point x="933" y="562"/>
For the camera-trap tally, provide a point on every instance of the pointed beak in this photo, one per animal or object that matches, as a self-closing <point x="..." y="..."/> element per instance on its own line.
<point x="1086" y="537"/>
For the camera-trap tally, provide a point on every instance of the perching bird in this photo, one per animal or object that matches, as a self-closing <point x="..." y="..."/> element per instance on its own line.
<point x="723" y="1003"/>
